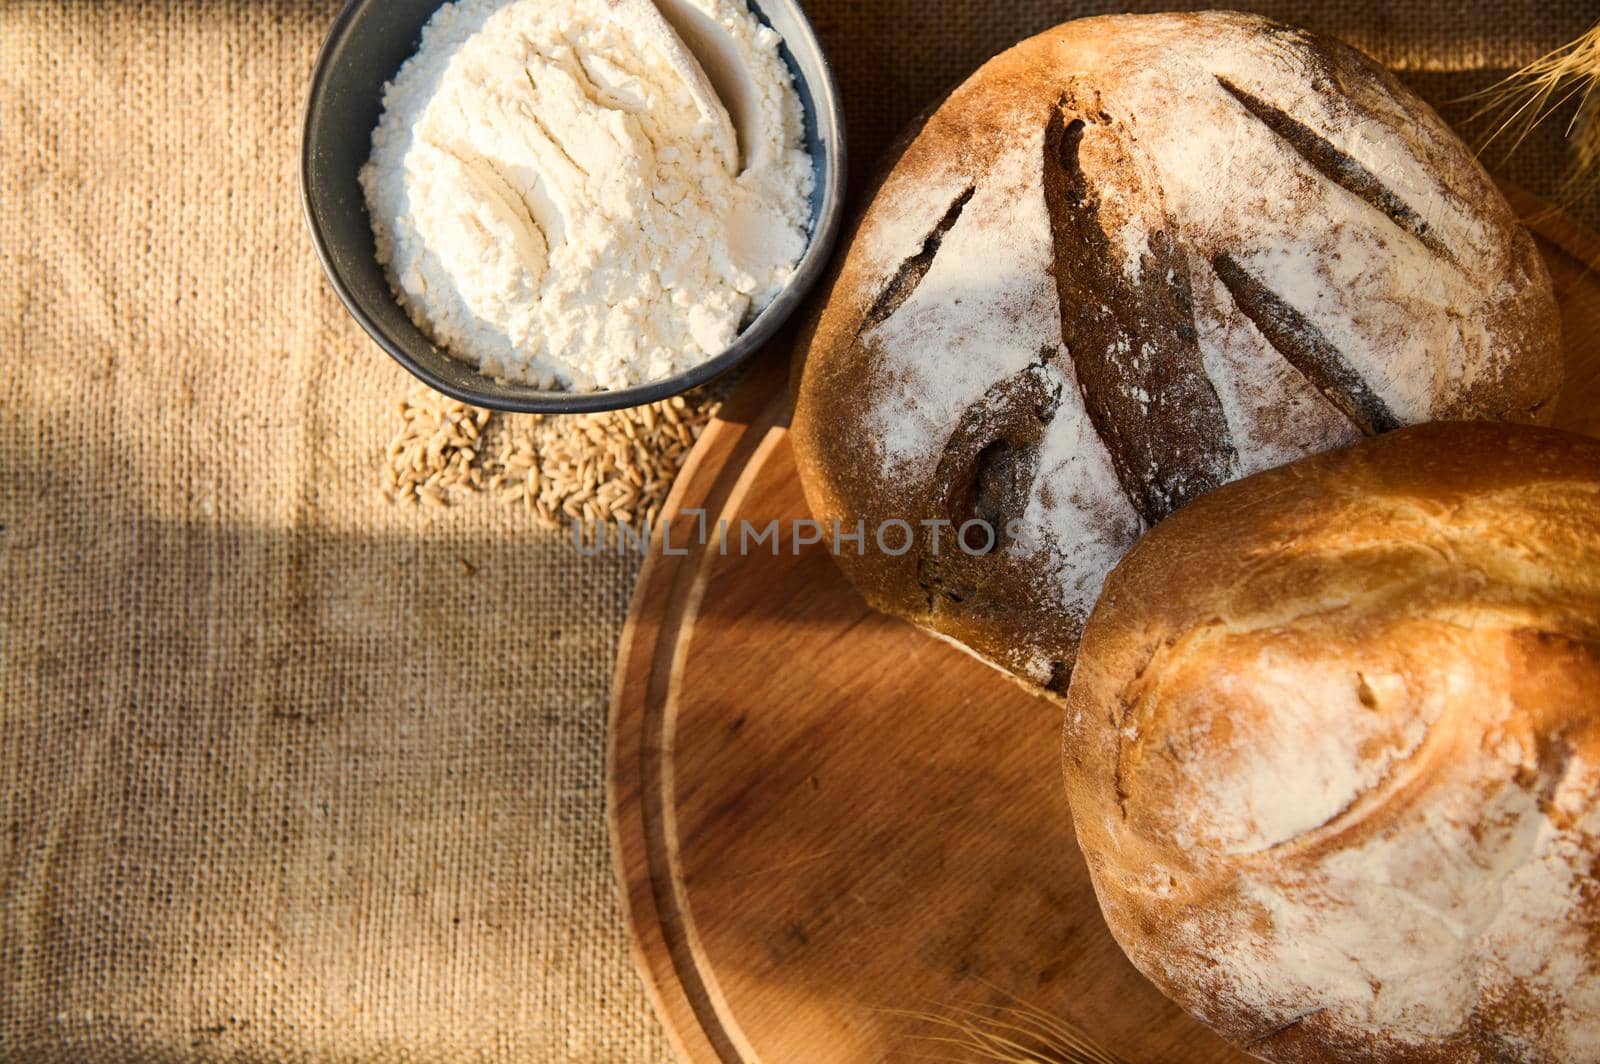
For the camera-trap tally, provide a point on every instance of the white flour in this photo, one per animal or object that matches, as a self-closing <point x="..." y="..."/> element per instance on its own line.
<point x="558" y="195"/>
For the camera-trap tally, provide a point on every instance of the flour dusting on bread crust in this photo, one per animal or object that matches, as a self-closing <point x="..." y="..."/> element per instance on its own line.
<point x="1333" y="752"/>
<point x="1236" y="242"/>
<point x="994" y="267"/>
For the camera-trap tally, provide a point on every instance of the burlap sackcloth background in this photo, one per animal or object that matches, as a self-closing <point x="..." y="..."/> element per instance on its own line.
<point x="286" y="772"/>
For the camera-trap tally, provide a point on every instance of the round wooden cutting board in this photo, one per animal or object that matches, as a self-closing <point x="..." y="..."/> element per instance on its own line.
<point x="828" y="824"/>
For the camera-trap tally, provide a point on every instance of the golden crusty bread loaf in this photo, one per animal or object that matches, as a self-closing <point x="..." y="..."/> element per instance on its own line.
<point x="1333" y="751"/>
<point x="1129" y="260"/>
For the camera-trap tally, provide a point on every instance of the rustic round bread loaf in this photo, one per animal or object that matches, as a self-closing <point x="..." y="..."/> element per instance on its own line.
<point x="1127" y="261"/>
<point x="1333" y="751"/>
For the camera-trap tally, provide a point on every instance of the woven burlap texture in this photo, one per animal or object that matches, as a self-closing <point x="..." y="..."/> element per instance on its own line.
<point x="287" y="773"/>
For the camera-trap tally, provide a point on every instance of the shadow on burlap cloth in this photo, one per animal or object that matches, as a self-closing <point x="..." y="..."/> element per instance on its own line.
<point x="285" y="771"/>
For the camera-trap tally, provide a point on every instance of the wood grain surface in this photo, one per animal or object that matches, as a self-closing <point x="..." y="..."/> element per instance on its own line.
<point x="825" y="820"/>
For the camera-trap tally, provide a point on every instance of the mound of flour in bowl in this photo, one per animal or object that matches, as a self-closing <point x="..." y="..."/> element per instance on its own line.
<point x="560" y="197"/>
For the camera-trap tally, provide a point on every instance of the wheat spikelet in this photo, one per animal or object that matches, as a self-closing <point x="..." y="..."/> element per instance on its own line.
<point x="1010" y="1033"/>
<point x="1523" y="100"/>
<point x="1585" y="175"/>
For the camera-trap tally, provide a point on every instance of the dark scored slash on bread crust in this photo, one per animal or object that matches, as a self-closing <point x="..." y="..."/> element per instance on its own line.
<point x="1129" y="340"/>
<point x="1134" y="345"/>
<point x="1305" y="348"/>
<point x="915" y="268"/>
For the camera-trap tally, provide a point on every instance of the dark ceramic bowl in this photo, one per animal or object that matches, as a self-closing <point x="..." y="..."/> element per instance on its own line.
<point x="368" y="43"/>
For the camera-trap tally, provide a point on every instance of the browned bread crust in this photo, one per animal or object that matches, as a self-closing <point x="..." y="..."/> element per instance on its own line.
<point x="1127" y="261"/>
<point x="1333" y="751"/>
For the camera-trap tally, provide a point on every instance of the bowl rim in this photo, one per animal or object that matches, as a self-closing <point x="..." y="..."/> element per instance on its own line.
<point x="810" y="269"/>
